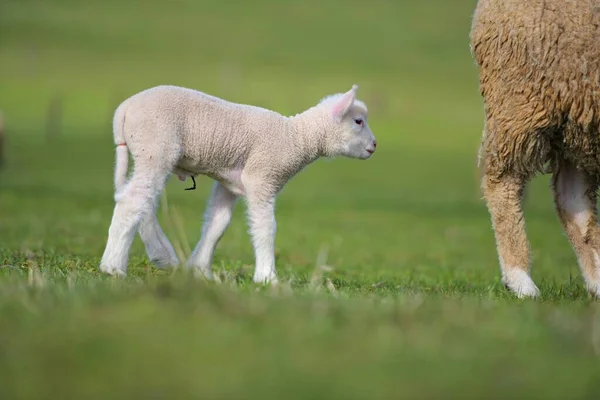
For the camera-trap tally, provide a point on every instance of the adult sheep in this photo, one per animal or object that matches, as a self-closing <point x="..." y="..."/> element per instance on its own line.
<point x="539" y="76"/>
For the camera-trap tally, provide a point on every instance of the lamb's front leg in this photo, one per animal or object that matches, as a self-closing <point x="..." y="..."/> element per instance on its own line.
<point x="261" y="218"/>
<point x="216" y="219"/>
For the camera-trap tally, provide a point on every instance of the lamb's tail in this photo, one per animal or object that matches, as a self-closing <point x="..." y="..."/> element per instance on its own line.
<point x="122" y="153"/>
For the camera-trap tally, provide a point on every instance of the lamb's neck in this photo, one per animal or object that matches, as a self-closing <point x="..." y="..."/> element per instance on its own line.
<point x="309" y="132"/>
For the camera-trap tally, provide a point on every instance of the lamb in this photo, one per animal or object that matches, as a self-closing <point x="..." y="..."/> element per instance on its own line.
<point x="249" y="152"/>
<point x="539" y="76"/>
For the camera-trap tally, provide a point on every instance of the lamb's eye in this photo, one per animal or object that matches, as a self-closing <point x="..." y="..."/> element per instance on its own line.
<point x="358" y="121"/>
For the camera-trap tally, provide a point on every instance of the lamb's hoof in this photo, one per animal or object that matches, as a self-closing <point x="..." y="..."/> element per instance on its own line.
<point x="521" y="284"/>
<point x="265" y="279"/>
<point x="113" y="271"/>
<point x="202" y="273"/>
<point x="164" y="263"/>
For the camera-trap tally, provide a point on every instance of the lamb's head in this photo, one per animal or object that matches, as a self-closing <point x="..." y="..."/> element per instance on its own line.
<point x="347" y="129"/>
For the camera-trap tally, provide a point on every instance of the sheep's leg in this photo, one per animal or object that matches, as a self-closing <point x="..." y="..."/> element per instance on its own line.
<point x="216" y="220"/>
<point x="504" y="197"/>
<point x="137" y="200"/>
<point x="575" y="199"/>
<point x="158" y="247"/>
<point x="261" y="219"/>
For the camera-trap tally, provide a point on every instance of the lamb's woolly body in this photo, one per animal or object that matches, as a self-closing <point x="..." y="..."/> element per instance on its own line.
<point x="539" y="69"/>
<point x="223" y="138"/>
<point x="250" y="151"/>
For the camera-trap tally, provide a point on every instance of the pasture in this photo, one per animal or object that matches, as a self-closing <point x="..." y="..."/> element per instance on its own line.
<point x="390" y="279"/>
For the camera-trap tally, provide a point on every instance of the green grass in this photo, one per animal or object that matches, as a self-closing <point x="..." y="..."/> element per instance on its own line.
<point x="390" y="279"/>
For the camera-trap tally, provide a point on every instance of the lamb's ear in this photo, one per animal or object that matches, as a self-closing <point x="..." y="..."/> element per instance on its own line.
<point x="343" y="104"/>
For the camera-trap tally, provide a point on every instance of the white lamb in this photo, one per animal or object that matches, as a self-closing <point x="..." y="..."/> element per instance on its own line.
<point x="249" y="151"/>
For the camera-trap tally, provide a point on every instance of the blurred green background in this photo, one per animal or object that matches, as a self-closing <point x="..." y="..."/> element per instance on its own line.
<point x="390" y="276"/>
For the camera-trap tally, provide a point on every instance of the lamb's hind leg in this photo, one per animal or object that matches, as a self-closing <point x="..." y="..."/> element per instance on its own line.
<point x="575" y="198"/>
<point x="216" y="220"/>
<point x="504" y="196"/>
<point x="137" y="200"/>
<point x="158" y="247"/>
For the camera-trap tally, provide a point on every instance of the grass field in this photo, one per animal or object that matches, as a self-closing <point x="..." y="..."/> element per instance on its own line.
<point x="391" y="286"/>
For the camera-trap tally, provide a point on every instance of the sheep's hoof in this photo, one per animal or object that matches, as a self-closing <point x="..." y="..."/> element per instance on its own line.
<point x="594" y="290"/>
<point x="520" y="283"/>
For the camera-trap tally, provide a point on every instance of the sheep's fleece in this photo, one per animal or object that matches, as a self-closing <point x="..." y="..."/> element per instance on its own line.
<point x="249" y="151"/>
<point x="539" y="75"/>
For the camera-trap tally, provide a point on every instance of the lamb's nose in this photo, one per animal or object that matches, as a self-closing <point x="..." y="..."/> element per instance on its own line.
<point x="375" y="143"/>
